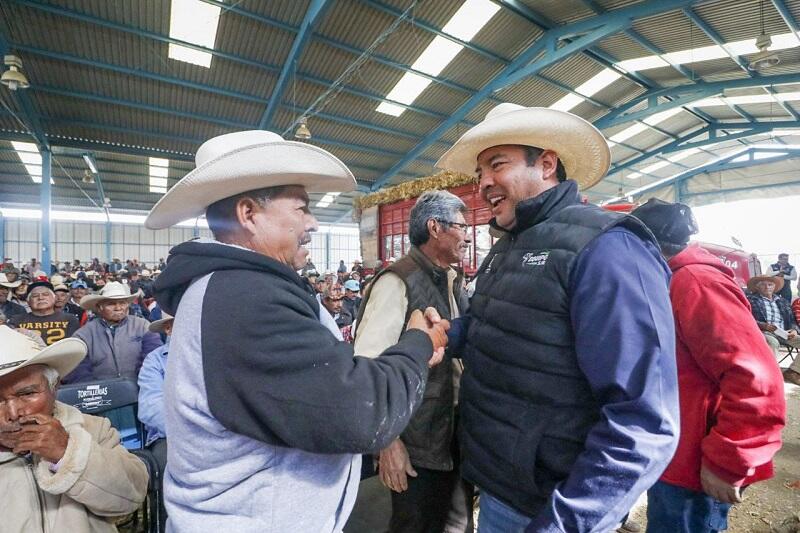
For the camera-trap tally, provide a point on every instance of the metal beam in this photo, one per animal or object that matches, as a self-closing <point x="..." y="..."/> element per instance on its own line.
<point x="316" y="11"/>
<point x="685" y="94"/>
<point x="683" y="143"/>
<point x="45" y="204"/>
<point x="597" y="28"/>
<point x="786" y="15"/>
<point x="744" y="189"/>
<point x="724" y="163"/>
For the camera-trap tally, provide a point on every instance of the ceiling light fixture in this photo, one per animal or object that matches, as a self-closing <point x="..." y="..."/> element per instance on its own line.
<point x="302" y="132"/>
<point x="13" y="78"/>
<point x="764" y="59"/>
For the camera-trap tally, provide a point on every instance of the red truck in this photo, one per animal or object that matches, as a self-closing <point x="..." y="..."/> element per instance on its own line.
<point x="393" y="234"/>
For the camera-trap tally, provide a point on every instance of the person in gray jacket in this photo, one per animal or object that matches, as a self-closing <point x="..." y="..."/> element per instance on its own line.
<point x="117" y="341"/>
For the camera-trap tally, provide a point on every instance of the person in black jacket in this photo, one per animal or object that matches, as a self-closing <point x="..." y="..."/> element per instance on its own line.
<point x="280" y="408"/>
<point x="7" y="307"/>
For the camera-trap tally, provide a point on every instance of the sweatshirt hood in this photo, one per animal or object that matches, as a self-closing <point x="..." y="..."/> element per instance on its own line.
<point x="197" y="258"/>
<point x="695" y="255"/>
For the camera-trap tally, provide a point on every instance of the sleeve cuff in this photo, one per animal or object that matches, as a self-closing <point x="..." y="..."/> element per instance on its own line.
<point x="726" y="475"/>
<point x="70" y="468"/>
<point x="421" y="346"/>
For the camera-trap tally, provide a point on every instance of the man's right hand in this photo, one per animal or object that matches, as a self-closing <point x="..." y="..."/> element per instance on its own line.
<point x="770" y="327"/>
<point x="394" y="466"/>
<point x="436" y="327"/>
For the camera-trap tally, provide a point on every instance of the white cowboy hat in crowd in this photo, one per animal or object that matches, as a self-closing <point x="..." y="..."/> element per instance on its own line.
<point x="580" y="146"/>
<point x="114" y="290"/>
<point x="157" y="326"/>
<point x="18" y="351"/>
<point x="145" y="273"/>
<point x="243" y="161"/>
<point x="9" y="284"/>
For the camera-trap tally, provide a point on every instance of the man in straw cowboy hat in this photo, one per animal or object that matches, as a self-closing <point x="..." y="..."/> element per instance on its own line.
<point x="731" y="391"/>
<point x="266" y="410"/>
<point x="117" y="341"/>
<point x="60" y="470"/>
<point x="569" y="397"/>
<point x="7" y="306"/>
<point x="775" y="319"/>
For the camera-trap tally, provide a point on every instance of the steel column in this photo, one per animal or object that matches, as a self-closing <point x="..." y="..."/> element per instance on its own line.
<point x="45" y="202"/>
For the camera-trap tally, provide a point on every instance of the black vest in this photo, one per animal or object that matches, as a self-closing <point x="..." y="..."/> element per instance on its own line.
<point x="428" y="437"/>
<point x="526" y="407"/>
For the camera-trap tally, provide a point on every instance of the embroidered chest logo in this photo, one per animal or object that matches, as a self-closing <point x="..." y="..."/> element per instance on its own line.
<point x="531" y="259"/>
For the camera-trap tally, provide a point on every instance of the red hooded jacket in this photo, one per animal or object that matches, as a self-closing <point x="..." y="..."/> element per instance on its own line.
<point x="731" y="389"/>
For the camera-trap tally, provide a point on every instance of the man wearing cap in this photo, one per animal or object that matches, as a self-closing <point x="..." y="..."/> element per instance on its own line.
<point x="62" y="295"/>
<point x="420" y="467"/>
<point x="568" y="400"/>
<point x="357" y="266"/>
<point x="77" y="290"/>
<point x="117" y="342"/>
<point x="731" y="391"/>
<point x="8" y="307"/>
<point x="775" y="319"/>
<point x="352" y="300"/>
<point x="43" y="318"/>
<point x="266" y="411"/>
<point x="60" y="470"/>
<point x="151" y="401"/>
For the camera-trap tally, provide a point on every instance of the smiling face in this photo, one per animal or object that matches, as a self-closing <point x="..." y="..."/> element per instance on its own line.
<point x="506" y="178"/>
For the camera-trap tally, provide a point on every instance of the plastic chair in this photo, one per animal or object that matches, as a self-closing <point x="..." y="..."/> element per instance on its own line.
<point x="117" y="399"/>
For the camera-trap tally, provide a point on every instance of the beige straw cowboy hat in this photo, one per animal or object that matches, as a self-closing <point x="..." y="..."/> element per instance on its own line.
<point x="18" y="351"/>
<point x="580" y="146"/>
<point x="157" y="326"/>
<point x="114" y="291"/>
<point x="243" y="161"/>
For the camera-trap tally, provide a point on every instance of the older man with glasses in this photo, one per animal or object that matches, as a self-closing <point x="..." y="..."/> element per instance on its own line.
<point x="52" y="324"/>
<point x="421" y="466"/>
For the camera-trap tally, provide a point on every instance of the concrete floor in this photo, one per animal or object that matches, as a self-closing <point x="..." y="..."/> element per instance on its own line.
<point x="372" y="510"/>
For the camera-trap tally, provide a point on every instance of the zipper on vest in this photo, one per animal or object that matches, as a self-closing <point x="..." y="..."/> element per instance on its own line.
<point x="40" y="502"/>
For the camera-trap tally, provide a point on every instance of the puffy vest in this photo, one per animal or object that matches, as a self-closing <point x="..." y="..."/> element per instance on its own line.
<point x="526" y="407"/>
<point x="428" y="437"/>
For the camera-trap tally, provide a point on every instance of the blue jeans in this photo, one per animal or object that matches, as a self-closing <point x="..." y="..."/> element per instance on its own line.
<point x="497" y="517"/>
<point x="673" y="509"/>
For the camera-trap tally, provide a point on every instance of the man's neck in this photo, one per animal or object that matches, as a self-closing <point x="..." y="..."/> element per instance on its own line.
<point x="770" y="297"/>
<point x="47" y="312"/>
<point x="431" y="253"/>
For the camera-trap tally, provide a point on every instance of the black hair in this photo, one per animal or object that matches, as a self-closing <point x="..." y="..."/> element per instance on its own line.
<point x="221" y="215"/>
<point x="532" y="153"/>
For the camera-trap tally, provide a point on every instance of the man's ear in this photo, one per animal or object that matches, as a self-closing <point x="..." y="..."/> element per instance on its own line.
<point x="246" y="209"/>
<point x="549" y="161"/>
<point x="433" y="228"/>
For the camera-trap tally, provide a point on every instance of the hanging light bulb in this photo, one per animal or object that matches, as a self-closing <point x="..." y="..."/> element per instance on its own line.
<point x="302" y="132"/>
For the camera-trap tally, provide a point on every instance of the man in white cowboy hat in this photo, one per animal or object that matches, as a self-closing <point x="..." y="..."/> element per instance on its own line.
<point x="775" y="319"/>
<point x="60" y="470"/>
<point x="151" y="400"/>
<point x="569" y="398"/>
<point x="8" y="307"/>
<point x="117" y="341"/>
<point x="266" y="411"/>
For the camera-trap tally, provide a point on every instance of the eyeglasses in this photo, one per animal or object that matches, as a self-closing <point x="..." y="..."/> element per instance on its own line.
<point x="459" y="225"/>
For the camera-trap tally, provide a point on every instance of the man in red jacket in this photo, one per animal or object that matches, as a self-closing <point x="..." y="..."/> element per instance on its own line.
<point x="731" y="390"/>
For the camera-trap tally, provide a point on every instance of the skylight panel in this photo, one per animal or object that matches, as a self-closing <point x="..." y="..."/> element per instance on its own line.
<point x="628" y="132"/>
<point x="195" y="22"/>
<point x="787" y="96"/>
<point x="633" y="175"/>
<point x="598" y="82"/>
<point x="655" y="166"/>
<point x="750" y="99"/>
<point x="470" y="18"/>
<point x="327" y="200"/>
<point x="464" y="25"/>
<point x="695" y="55"/>
<point x="436" y="56"/>
<point x="642" y="63"/>
<point x="656" y="118"/>
<point x="159" y="170"/>
<point x="567" y="102"/>
<point x="709" y="102"/>
<point x="684" y="154"/>
<point x="31" y="159"/>
<point x="757" y="156"/>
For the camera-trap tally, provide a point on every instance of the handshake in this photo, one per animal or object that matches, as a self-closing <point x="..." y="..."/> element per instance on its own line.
<point x="436" y="327"/>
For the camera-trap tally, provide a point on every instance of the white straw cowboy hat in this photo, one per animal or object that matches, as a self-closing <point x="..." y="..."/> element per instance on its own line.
<point x="9" y="284"/>
<point x="114" y="291"/>
<point x="580" y="146"/>
<point x="157" y="326"/>
<point x="243" y="161"/>
<point x="752" y="283"/>
<point x="18" y="351"/>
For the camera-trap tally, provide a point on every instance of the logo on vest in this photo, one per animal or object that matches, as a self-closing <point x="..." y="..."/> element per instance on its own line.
<point x="535" y="258"/>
